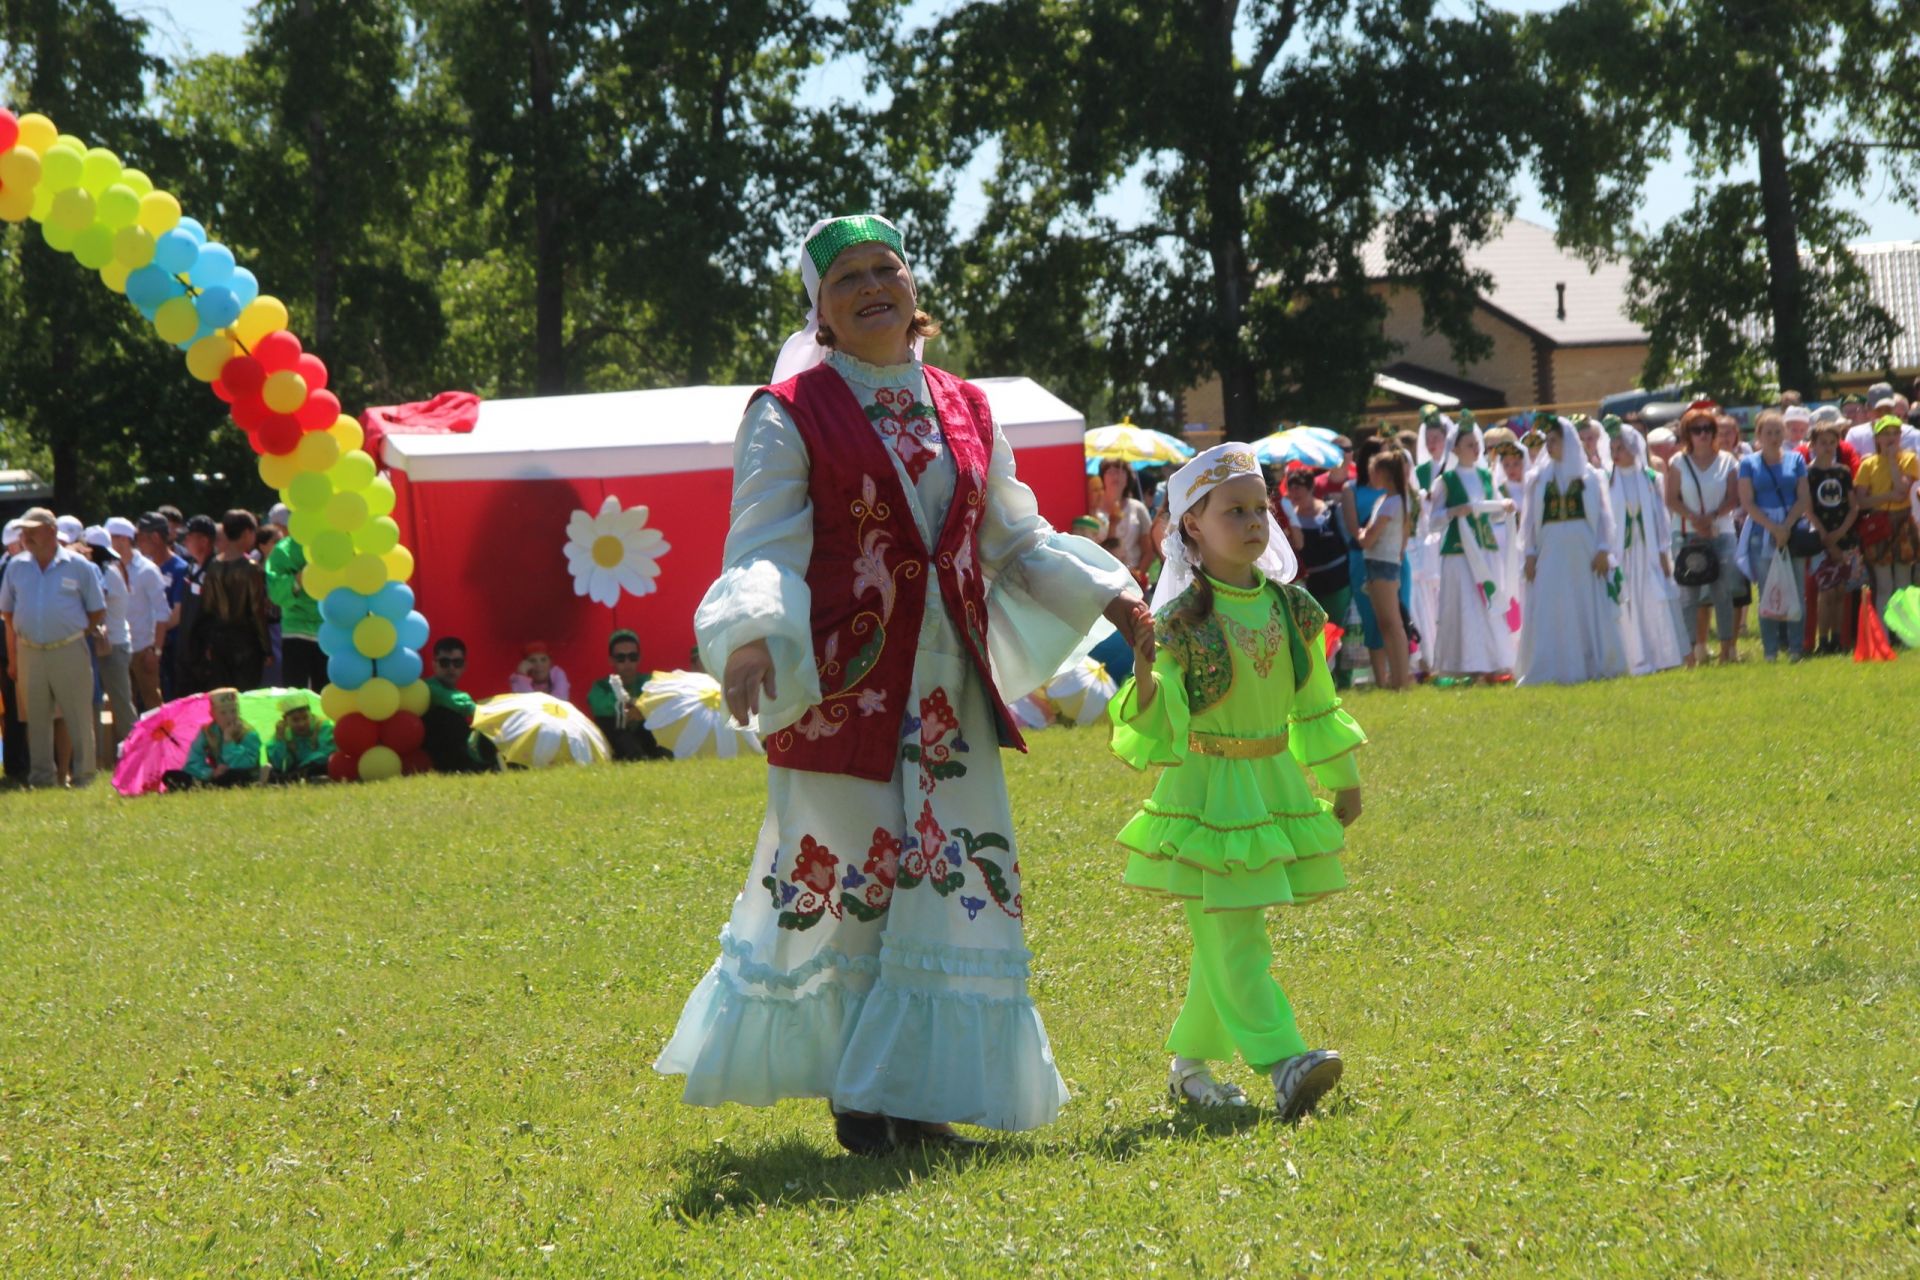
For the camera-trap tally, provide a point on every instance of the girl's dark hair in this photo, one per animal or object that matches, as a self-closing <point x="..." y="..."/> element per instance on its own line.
<point x="921" y="326"/>
<point x="1200" y="608"/>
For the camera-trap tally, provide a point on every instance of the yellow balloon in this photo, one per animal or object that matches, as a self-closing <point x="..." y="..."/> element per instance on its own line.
<point x="317" y="451"/>
<point x="114" y="276"/>
<point x="321" y="583"/>
<point x="348" y="432"/>
<point x="73" y="143"/>
<point x="364" y="575"/>
<point x="264" y="315"/>
<point x="337" y="703"/>
<point x="72" y="209"/>
<point x="398" y="564"/>
<point x="277" y="470"/>
<point x="133" y="247"/>
<point x="346" y="511"/>
<point x="60" y="168"/>
<point x="20" y="168"/>
<point x="159" y="212"/>
<point x="176" y="321"/>
<point x="208" y="356"/>
<point x="139" y="181"/>
<point x="416" y="698"/>
<point x="285" y="391"/>
<point x="58" y="237"/>
<point x="379" y="764"/>
<point x="16" y="203"/>
<point x="37" y="132"/>
<point x="379" y="699"/>
<point x="380" y="496"/>
<point x="374" y="636"/>
<point x="42" y="203"/>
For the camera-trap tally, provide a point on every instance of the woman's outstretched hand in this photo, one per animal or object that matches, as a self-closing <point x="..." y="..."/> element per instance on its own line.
<point x="1131" y="618"/>
<point x="749" y="671"/>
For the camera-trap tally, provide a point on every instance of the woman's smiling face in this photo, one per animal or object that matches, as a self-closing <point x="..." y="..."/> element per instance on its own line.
<point x="866" y="299"/>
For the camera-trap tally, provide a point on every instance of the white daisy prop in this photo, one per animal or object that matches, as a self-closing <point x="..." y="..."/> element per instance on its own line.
<point x="687" y="715"/>
<point x="1081" y="690"/>
<point x="613" y="551"/>
<point x="535" y="730"/>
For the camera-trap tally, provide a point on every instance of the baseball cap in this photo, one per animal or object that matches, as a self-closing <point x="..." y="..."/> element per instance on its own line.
<point x="154" y="522"/>
<point x="1879" y="391"/>
<point x="120" y="527"/>
<point x="97" y="537"/>
<point x="1797" y="413"/>
<point x="70" y="527"/>
<point x="203" y="524"/>
<point x="12" y="535"/>
<point x="279" y="514"/>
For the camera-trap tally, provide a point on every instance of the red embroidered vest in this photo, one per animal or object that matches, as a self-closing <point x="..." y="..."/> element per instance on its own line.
<point x="868" y="574"/>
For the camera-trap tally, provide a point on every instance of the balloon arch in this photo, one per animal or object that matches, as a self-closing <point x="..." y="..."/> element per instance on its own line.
<point x="114" y="221"/>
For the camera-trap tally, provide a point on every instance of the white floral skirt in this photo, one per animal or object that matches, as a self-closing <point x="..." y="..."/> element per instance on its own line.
<point x="876" y="955"/>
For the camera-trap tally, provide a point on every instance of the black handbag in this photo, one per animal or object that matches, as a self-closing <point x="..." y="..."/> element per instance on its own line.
<point x="1697" y="564"/>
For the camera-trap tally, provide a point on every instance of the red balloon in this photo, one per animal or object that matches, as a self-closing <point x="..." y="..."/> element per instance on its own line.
<point x="278" y="350"/>
<point x="221" y="392"/>
<point x="355" y="734"/>
<point x="311" y="368"/>
<point x="321" y="411"/>
<point x="253" y="442"/>
<point x="280" y="435"/>
<point x="9" y="130"/>
<point x="243" y="376"/>
<point x="342" y="767"/>
<point x="403" y="731"/>
<point x="251" y="413"/>
<point x="416" y="762"/>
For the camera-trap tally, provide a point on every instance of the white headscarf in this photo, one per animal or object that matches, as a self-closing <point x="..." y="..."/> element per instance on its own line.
<point x="1187" y="486"/>
<point x="802" y="350"/>
<point x="1431" y="417"/>
<point x="1436" y="492"/>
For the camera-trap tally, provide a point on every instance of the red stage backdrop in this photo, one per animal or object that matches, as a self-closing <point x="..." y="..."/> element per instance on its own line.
<point x="486" y="509"/>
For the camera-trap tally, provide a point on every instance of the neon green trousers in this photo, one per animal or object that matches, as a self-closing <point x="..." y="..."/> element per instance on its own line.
<point x="1233" y="1004"/>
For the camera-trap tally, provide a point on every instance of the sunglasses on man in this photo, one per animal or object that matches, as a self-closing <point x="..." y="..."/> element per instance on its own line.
<point x="626" y="655"/>
<point x="444" y="661"/>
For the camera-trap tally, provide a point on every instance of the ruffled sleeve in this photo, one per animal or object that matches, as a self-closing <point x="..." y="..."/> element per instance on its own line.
<point x="1047" y="589"/>
<point x="762" y="591"/>
<point x="1320" y="735"/>
<point x="1158" y="735"/>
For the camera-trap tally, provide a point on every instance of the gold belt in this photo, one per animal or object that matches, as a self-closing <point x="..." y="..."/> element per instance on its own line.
<point x="49" y="648"/>
<point x="1229" y="748"/>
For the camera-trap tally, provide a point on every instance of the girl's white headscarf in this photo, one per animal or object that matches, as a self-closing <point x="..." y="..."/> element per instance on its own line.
<point x="802" y="350"/>
<point x="1187" y="486"/>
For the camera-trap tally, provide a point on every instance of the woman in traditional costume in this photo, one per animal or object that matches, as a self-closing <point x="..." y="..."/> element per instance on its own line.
<point x="1423" y="540"/>
<point x="1642" y="532"/>
<point x="1475" y="618"/>
<point x="1234" y="694"/>
<point x="1570" y="599"/>
<point x="888" y="587"/>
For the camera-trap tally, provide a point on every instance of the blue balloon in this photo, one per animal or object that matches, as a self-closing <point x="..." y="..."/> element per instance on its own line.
<point x="336" y="639"/>
<point x="413" y="630"/>
<point x="245" y="285"/>
<point x="349" y="670"/>
<point x="344" y="608"/>
<point x="151" y="286"/>
<point x="218" y="307"/>
<point x="175" y="252"/>
<point x="193" y="228"/>
<point x="393" y="601"/>
<point x="148" y="309"/>
<point x="213" y="266"/>
<point x="402" y="666"/>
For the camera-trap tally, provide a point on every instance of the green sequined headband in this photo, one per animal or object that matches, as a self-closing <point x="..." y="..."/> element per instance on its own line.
<point x="843" y="233"/>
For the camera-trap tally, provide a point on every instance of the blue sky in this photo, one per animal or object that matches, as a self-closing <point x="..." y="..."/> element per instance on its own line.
<point x="218" y="26"/>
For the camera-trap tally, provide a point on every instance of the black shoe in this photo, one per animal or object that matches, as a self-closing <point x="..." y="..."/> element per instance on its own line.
<point x="865" y="1135"/>
<point x="919" y="1133"/>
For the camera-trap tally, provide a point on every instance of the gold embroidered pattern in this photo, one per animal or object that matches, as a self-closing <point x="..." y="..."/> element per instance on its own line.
<point x="1230" y="465"/>
<point x="1262" y="646"/>
<point x="1227" y="747"/>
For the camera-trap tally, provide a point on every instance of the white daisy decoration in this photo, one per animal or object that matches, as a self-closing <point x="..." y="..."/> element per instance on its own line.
<point x="613" y="551"/>
<point x="686" y="713"/>
<point x="1081" y="690"/>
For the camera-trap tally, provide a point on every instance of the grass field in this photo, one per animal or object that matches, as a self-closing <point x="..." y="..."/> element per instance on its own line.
<point x="1628" y="984"/>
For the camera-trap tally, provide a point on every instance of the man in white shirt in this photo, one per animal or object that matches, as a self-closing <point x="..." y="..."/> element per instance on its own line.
<point x="148" y="613"/>
<point x="115" y="666"/>
<point x="1861" y="436"/>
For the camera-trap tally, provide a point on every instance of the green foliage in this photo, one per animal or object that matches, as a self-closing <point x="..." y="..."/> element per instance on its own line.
<point x="1607" y="1009"/>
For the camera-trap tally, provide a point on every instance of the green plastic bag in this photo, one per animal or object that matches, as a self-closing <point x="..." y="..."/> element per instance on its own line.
<point x="1903" y="616"/>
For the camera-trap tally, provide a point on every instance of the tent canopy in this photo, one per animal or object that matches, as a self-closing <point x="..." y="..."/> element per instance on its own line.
<point x="638" y="433"/>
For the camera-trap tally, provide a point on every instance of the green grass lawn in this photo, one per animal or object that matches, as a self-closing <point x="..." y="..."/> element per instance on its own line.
<point x="1628" y="984"/>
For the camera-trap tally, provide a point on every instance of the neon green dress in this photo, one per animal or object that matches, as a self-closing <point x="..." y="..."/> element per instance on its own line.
<point x="1245" y="708"/>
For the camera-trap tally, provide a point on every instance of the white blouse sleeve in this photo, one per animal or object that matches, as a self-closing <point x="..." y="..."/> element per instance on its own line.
<point x="1046" y="590"/>
<point x="762" y="592"/>
<point x="1530" y="513"/>
<point x="1600" y="515"/>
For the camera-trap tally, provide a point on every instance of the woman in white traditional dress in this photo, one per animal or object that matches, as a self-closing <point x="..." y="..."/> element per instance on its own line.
<point x="881" y="552"/>
<point x="1473" y="635"/>
<point x="1423" y="538"/>
<point x="1642" y="532"/>
<point x="1570" y="599"/>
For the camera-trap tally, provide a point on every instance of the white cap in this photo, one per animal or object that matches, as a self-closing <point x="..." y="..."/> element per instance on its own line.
<point x="279" y="514"/>
<point x="121" y="527"/>
<point x="1662" y="435"/>
<point x="1797" y="413"/>
<point x="70" y="528"/>
<point x="12" y="534"/>
<point x="1828" y="413"/>
<point x="95" y="536"/>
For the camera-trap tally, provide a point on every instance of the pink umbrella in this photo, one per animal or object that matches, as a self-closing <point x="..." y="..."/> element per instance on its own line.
<point x="159" y="742"/>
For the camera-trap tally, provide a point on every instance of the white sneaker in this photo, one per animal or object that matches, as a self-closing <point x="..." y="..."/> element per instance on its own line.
<point x="1302" y="1080"/>
<point x="1194" y="1086"/>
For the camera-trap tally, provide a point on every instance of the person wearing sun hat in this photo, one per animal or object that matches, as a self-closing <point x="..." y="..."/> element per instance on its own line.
<point x="874" y="502"/>
<point x="55" y="609"/>
<point x="1882" y="489"/>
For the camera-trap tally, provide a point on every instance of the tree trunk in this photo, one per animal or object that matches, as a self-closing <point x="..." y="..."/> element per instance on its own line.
<point x="549" y="246"/>
<point x="326" y="265"/>
<point x="1790" y="355"/>
<point x="1224" y="157"/>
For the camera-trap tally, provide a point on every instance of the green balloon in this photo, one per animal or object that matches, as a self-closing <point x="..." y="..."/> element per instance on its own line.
<point x="309" y="491"/>
<point x="1903" y="616"/>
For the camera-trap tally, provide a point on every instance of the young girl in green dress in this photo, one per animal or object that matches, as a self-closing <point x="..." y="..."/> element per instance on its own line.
<point x="1234" y="694"/>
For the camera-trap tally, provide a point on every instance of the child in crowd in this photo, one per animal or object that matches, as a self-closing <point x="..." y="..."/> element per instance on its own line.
<point x="1236" y="696"/>
<point x="301" y="744"/>
<point x="224" y="754"/>
<point x="537" y="674"/>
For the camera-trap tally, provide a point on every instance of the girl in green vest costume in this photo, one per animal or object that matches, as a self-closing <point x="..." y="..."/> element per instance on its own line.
<point x="1233" y="694"/>
<point x="1476" y="617"/>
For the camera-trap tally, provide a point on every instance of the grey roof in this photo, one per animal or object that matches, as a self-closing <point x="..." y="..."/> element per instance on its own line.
<point x="1526" y="265"/>
<point x="1893" y="271"/>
